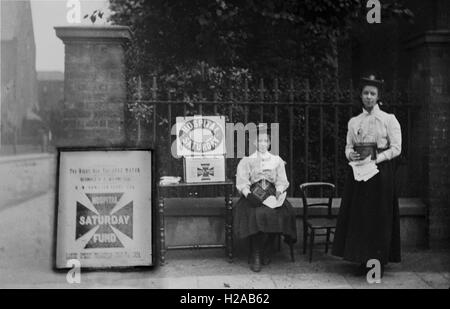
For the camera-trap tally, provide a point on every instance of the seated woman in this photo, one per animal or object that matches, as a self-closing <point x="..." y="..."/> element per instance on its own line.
<point x="262" y="171"/>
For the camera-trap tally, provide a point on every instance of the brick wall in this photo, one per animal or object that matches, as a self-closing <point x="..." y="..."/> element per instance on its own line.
<point x="430" y="77"/>
<point x="94" y="86"/>
<point x="18" y="73"/>
<point x="439" y="146"/>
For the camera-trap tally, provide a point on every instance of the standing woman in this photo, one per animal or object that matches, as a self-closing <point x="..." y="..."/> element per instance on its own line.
<point x="368" y="225"/>
<point x="262" y="172"/>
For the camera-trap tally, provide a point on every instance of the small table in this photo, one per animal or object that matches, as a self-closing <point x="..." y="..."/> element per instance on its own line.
<point x="228" y="189"/>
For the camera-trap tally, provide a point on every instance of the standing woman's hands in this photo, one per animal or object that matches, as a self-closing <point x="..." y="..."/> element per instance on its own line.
<point x="354" y="156"/>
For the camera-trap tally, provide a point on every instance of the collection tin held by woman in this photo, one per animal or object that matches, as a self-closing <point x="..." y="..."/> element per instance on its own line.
<point x="368" y="225"/>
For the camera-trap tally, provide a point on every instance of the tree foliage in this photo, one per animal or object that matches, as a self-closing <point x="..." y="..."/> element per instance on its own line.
<point x="216" y="45"/>
<point x="264" y="36"/>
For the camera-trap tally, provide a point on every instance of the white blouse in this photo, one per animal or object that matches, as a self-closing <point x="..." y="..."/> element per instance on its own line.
<point x="375" y="127"/>
<point x="259" y="166"/>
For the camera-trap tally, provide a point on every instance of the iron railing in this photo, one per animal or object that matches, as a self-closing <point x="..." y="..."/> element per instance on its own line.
<point x="313" y="122"/>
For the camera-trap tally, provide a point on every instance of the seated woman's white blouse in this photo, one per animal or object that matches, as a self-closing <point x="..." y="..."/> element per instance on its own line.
<point x="259" y="166"/>
<point x="376" y="126"/>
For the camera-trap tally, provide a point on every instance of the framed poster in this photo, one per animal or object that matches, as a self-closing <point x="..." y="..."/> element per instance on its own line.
<point x="200" y="135"/>
<point x="104" y="207"/>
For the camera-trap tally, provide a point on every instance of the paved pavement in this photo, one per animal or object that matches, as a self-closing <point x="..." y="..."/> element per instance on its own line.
<point x="25" y="262"/>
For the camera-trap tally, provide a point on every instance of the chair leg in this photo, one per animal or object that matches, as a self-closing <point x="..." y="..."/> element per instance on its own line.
<point x="311" y="244"/>
<point x="250" y="250"/>
<point x="305" y="239"/>
<point x="269" y="248"/>
<point x="291" y="247"/>
<point x="328" y="240"/>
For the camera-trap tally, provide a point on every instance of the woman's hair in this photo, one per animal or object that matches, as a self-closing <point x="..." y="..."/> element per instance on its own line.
<point x="256" y="137"/>
<point x="263" y="129"/>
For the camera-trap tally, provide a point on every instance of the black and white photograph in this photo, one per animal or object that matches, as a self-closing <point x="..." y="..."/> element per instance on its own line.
<point x="227" y="150"/>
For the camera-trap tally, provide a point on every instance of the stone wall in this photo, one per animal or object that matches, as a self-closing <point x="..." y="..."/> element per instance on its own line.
<point x="201" y="221"/>
<point x="26" y="176"/>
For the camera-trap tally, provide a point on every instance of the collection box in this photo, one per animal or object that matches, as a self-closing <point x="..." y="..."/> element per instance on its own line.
<point x="366" y="149"/>
<point x="199" y="169"/>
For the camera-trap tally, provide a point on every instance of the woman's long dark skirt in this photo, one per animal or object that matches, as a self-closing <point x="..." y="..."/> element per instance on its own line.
<point x="249" y="220"/>
<point x="368" y="225"/>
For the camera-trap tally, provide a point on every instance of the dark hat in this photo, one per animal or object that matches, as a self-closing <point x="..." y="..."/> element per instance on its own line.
<point x="371" y="80"/>
<point x="258" y="129"/>
<point x="263" y="127"/>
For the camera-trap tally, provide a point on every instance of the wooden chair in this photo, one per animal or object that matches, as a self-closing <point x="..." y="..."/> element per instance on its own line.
<point x="325" y="222"/>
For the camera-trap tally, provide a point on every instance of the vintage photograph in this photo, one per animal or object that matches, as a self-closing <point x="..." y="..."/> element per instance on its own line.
<point x="227" y="145"/>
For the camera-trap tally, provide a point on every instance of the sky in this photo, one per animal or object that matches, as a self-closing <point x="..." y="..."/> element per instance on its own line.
<point x="46" y="15"/>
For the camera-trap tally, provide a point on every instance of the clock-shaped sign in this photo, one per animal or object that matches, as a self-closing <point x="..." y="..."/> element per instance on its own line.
<point x="200" y="135"/>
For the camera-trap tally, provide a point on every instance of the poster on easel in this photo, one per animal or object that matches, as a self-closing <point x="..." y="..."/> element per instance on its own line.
<point x="104" y="208"/>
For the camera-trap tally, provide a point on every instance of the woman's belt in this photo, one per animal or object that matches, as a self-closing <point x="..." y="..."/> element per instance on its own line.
<point x="382" y="149"/>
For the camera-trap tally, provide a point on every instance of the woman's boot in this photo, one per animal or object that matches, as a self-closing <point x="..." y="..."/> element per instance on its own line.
<point x="256" y="266"/>
<point x="256" y="253"/>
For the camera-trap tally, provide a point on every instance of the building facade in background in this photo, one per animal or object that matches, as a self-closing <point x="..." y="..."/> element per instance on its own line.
<point x="19" y="88"/>
<point x="51" y="99"/>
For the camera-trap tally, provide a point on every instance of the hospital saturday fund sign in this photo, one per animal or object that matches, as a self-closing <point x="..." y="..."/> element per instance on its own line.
<point x="104" y="208"/>
<point x="200" y="135"/>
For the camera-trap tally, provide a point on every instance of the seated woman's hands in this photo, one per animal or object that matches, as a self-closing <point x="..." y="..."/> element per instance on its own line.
<point x="253" y="200"/>
<point x="277" y="194"/>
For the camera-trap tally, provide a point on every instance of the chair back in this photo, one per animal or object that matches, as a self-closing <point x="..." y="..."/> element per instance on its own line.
<point x="329" y="194"/>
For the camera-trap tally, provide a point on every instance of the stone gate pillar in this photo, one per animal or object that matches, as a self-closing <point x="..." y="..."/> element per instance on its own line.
<point x="95" y="87"/>
<point x="429" y="53"/>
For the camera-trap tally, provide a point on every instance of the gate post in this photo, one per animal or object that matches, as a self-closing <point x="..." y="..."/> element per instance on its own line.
<point x="430" y="77"/>
<point x="95" y="86"/>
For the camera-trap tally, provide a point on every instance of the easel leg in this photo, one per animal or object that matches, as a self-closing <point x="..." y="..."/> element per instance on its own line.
<point x="162" y="233"/>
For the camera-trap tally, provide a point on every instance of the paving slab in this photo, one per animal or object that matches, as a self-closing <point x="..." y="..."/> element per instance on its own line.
<point x="311" y="281"/>
<point x="435" y="280"/>
<point x="397" y="280"/>
<point x="26" y="236"/>
<point x="255" y="281"/>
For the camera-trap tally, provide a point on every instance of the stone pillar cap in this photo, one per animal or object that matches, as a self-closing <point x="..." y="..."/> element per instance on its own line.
<point x="120" y="34"/>
<point x="428" y="37"/>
